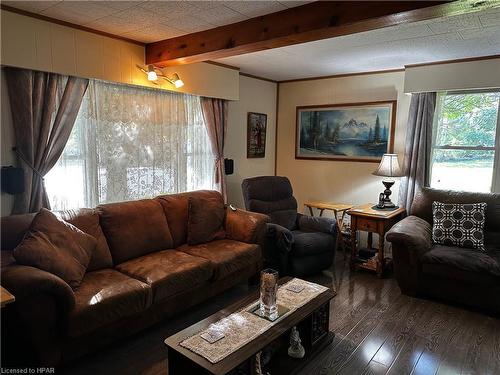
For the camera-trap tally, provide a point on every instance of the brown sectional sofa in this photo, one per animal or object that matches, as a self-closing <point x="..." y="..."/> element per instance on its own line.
<point x="142" y="271"/>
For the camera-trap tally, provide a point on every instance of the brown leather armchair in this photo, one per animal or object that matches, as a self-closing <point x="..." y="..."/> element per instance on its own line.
<point x="455" y="274"/>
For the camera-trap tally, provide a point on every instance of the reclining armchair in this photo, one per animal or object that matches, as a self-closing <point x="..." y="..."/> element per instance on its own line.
<point x="296" y="244"/>
<point x="456" y="274"/>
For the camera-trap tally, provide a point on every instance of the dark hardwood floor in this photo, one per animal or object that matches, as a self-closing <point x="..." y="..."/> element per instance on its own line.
<point x="377" y="331"/>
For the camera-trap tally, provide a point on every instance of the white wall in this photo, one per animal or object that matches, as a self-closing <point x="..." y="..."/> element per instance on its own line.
<point x="336" y="181"/>
<point x="255" y="96"/>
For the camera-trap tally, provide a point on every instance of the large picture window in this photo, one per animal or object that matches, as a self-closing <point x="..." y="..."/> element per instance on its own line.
<point x="466" y="138"/>
<point x="131" y="143"/>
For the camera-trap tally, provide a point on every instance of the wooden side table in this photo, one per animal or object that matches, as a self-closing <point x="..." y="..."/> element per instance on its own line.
<point x="339" y="211"/>
<point x="5" y="297"/>
<point x="364" y="218"/>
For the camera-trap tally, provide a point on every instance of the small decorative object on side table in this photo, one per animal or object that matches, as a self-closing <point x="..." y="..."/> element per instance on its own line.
<point x="367" y="219"/>
<point x="339" y="211"/>
<point x="388" y="167"/>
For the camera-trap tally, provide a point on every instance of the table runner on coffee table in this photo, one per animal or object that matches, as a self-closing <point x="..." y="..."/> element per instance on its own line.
<point x="243" y="326"/>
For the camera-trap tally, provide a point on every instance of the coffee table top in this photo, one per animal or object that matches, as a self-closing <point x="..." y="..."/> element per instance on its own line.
<point x="254" y="346"/>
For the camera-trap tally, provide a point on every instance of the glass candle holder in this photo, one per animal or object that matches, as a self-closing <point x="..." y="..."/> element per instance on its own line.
<point x="268" y="291"/>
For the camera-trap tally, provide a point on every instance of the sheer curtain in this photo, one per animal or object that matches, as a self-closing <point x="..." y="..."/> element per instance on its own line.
<point x="132" y="143"/>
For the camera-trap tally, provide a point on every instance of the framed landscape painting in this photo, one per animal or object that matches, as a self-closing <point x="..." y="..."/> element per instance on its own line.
<point x="256" y="135"/>
<point x="349" y="132"/>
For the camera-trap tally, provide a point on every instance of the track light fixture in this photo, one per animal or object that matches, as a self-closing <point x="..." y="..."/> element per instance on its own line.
<point x="154" y="73"/>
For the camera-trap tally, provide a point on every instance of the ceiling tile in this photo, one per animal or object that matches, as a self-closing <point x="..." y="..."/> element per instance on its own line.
<point x="220" y="16"/>
<point x="292" y="4"/>
<point x="467" y="21"/>
<point x="91" y="9"/>
<point x="140" y="17"/>
<point x="255" y="8"/>
<point x="153" y="33"/>
<point x="113" y="25"/>
<point x="171" y="9"/>
<point x="31" y="6"/>
<point x="491" y="18"/>
<point x="209" y="4"/>
<point x="121" y="5"/>
<point x="189" y="24"/>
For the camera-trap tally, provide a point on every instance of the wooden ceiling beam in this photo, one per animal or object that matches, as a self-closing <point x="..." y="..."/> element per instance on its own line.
<point x="306" y="23"/>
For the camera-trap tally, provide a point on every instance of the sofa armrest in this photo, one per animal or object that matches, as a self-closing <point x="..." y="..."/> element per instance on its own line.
<point x="317" y="224"/>
<point x="40" y="312"/>
<point x="24" y="282"/>
<point x="245" y="226"/>
<point x="410" y="238"/>
<point x="413" y="233"/>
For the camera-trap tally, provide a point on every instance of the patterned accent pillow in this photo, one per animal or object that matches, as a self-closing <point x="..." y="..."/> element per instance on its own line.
<point x="459" y="224"/>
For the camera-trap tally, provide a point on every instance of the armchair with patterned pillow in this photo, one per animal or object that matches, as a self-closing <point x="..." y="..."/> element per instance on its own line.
<point x="296" y="244"/>
<point x="433" y="257"/>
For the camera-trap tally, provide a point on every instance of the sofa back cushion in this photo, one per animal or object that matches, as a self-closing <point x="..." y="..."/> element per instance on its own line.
<point x="176" y="208"/>
<point x="134" y="228"/>
<point x="87" y="220"/>
<point x="422" y="204"/>
<point x="57" y="247"/>
<point x="206" y="217"/>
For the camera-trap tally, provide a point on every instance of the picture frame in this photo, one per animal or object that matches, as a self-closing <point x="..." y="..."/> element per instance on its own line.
<point x="345" y="132"/>
<point x="256" y="135"/>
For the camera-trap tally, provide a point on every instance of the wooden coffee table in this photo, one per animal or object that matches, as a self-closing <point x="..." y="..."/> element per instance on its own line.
<point x="312" y="320"/>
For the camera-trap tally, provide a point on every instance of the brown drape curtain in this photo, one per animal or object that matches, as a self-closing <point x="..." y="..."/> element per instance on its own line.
<point x="418" y="147"/>
<point x="215" y="115"/>
<point x="44" y="108"/>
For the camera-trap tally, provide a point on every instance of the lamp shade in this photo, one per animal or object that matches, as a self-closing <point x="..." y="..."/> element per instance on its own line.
<point x="389" y="166"/>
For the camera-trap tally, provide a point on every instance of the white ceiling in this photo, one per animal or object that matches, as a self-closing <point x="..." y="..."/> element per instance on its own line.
<point x="470" y="35"/>
<point x="150" y="21"/>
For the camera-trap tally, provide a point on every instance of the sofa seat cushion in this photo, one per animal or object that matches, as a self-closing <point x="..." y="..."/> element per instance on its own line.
<point x="464" y="259"/>
<point x="226" y="256"/>
<point x="104" y="297"/>
<point x="311" y="243"/>
<point x="447" y="272"/>
<point x="168" y="272"/>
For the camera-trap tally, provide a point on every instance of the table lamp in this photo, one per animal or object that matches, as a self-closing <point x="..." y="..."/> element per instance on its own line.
<point x="388" y="167"/>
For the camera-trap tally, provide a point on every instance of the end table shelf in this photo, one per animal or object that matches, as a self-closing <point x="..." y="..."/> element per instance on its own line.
<point x="365" y="218"/>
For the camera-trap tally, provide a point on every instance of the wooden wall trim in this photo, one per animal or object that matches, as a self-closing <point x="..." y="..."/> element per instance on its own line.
<point x="343" y="75"/>
<point x="222" y="65"/>
<point x="257" y="77"/>
<point x="68" y="24"/>
<point x="468" y="59"/>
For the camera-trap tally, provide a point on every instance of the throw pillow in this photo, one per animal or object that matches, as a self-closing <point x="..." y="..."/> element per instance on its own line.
<point x="459" y="224"/>
<point x="57" y="247"/>
<point x="205" y="219"/>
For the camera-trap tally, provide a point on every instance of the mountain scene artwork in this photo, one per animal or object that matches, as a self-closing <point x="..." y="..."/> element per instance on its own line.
<point x="348" y="132"/>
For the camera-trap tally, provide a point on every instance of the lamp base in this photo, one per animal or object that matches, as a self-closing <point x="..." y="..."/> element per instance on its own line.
<point x="385" y="203"/>
<point x="377" y="208"/>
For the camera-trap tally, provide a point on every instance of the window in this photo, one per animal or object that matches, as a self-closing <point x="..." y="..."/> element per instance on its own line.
<point x="466" y="138"/>
<point x="131" y="143"/>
